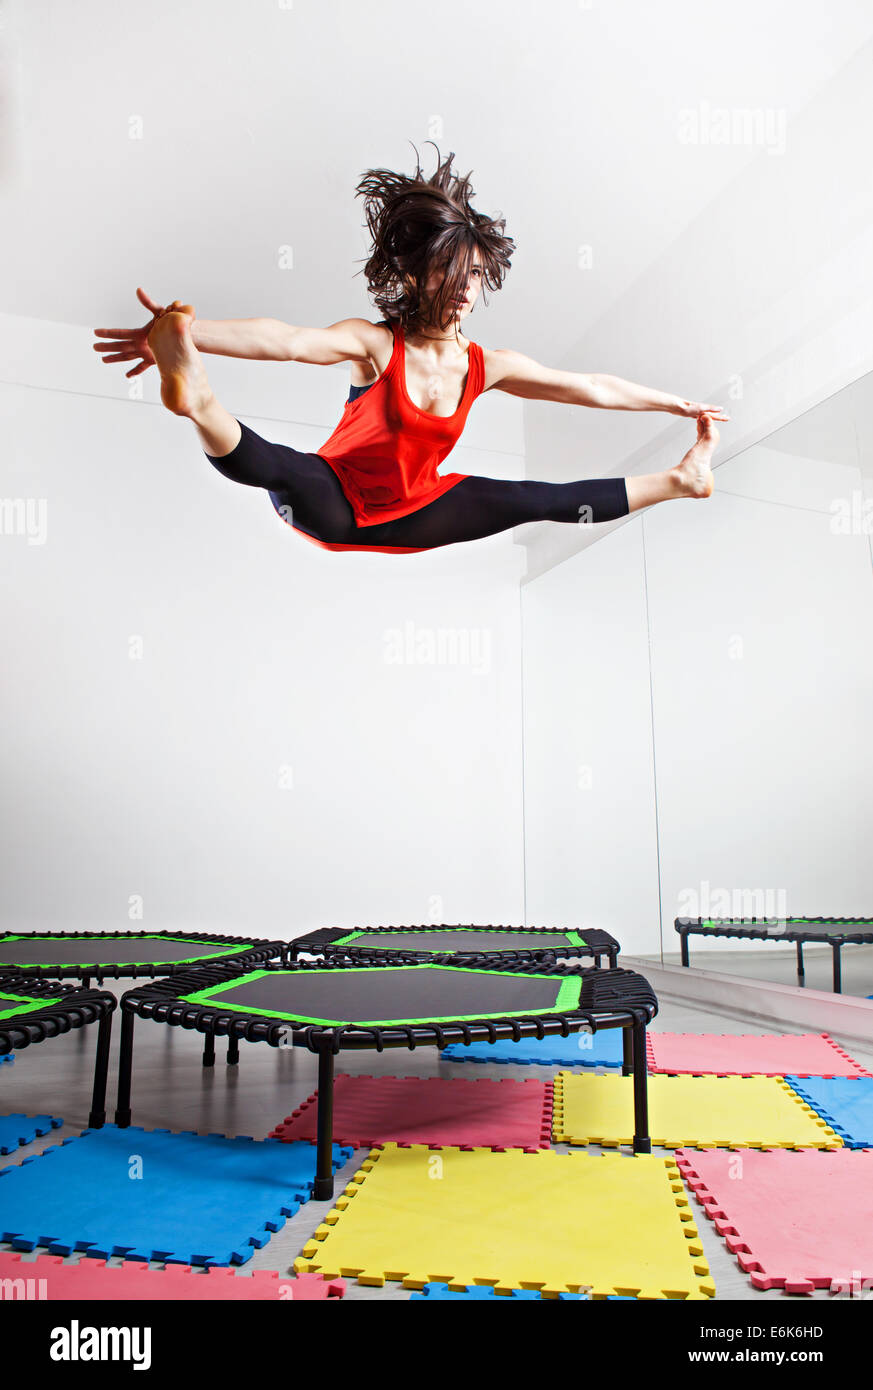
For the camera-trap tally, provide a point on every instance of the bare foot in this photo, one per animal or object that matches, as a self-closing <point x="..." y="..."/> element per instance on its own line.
<point x="185" y="389"/>
<point x="693" y="476"/>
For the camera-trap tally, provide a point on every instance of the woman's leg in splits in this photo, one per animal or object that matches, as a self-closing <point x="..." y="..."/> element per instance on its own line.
<point x="479" y="507"/>
<point x="302" y="487"/>
<point x="185" y="388"/>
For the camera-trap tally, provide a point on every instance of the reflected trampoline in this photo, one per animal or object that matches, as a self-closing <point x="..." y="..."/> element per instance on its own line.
<point x="835" y="931"/>
<point x="331" y="1007"/>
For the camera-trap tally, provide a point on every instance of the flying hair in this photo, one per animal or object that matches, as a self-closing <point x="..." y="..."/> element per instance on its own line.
<point x="418" y="224"/>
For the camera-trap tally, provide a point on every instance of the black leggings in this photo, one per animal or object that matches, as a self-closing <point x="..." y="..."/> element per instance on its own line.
<point x="307" y="493"/>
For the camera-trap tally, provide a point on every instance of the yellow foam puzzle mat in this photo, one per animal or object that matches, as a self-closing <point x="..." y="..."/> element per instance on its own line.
<point x="702" y="1112"/>
<point x="558" y="1223"/>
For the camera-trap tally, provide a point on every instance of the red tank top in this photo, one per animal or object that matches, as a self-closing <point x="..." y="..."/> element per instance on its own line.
<point x="386" y="450"/>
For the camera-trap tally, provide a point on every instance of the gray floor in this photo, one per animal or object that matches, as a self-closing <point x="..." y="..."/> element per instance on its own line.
<point x="765" y="960"/>
<point x="172" y="1090"/>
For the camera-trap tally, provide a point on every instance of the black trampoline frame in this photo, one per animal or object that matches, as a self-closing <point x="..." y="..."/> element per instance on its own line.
<point x="251" y="950"/>
<point x="161" y="1003"/>
<point x="323" y="942"/>
<point x="75" y="1009"/>
<point x="746" y="928"/>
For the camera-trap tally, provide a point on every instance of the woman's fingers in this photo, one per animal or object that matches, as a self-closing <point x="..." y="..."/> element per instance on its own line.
<point x="116" y="345"/>
<point x="126" y="352"/>
<point x="147" y="300"/>
<point x="695" y="409"/>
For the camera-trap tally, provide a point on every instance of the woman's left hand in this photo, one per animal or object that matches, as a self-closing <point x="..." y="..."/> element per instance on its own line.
<point x="694" y="409"/>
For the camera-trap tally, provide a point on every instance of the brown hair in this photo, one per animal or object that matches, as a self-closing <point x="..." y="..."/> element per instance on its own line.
<point x="418" y="224"/>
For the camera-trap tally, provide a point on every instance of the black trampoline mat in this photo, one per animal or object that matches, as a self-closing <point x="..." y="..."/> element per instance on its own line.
<point x="95" y="950"/>
<point x="462" y="939"/>
<point x="402" y="994"/>
<point x="860" y="926"/>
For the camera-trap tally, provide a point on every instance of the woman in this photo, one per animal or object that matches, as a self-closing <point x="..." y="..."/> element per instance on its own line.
<point x="374" y="485"/>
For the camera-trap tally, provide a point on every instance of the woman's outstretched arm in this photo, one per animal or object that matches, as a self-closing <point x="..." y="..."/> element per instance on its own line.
<point x="262" y="339"/>
<point x="518" y="375"/>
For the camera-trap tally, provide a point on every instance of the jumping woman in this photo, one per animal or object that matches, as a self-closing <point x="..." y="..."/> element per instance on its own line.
<point x="374" y="485"/>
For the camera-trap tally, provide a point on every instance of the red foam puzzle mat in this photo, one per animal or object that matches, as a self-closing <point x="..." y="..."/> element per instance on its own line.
<point x="49" y="1277"/>
<point x="437" y="1111"/>
<point x="749" y="1054"/>
<point x="796" y="1220"/>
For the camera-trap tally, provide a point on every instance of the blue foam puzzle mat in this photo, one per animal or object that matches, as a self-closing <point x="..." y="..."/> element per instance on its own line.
<point x="153" y="1195"/>
<point x="438" y="1293"/>
<point x="475" y="1292"/>
<point x="843" y="1102"/>
<point x="7" y="1057"/>
<point x="16" y="1130"/>
<point x="602" y="1049"/>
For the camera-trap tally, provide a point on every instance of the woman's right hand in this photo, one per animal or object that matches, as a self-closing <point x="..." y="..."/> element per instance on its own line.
<point x="130" y="344"/>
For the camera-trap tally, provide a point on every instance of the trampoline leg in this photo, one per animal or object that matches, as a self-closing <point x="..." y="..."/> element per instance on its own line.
<point x="838" y="973"/>
<point x="97" y="1118"/>
<point x="125" y="1066"/>
<point x="683" y="947"/>
<point x="232" y="1050"/>
<point x="209" y="1050"/>
<point x="642" y="1142"/>
<point x="613" y="961"/>
<point x="323" y="1191"/>
<point x="627" y="1049"/>
<point x="801" y="978"/>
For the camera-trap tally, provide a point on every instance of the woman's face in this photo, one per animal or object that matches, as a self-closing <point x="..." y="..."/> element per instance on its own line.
<point x="467" y="292"/>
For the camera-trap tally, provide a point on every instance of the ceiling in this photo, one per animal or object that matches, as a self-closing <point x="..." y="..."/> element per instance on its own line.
<point x="258" y="117"/>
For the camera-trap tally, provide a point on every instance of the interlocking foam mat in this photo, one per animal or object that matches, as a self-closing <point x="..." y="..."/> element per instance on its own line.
<point x="441" y="1293"/>
<point x="7" y="1057"/>
<point x="48" y="1277"/>
<point x="556" y="1223"/>
<point x="431" y="1110"/>
<point x="702" y="1111"/>
<point x="795" y="1221"/>
<point x="601" y="1049"/>
<point x="16" y="1130"/>
<point x="749" y="1054"/>
<point x="843" y="1102"/>
<point x="151" y="1195"/>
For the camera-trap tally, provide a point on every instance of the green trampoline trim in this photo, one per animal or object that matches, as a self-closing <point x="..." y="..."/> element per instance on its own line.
<point x="25" y="1006"/>
<point x="747" y="922"/>
<point x="572" y="937"/>
<point x="94" y="966"/>
<point x="566" y="1000"/>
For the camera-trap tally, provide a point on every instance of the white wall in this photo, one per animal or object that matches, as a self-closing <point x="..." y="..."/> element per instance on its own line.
<point x="757" y="614"/>
<point x="589" y="788"/>
<point x="762" y="642"/>
<point x="263" y="660"/>
<point x="761" y="304"/>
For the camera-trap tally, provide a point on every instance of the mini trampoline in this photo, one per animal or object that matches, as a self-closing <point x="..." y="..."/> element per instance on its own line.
<point x="33" y="1010"/>
<point x="330" y="1007"/>
<point x="834" y="931"/>
<point x="456" y="945"/>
